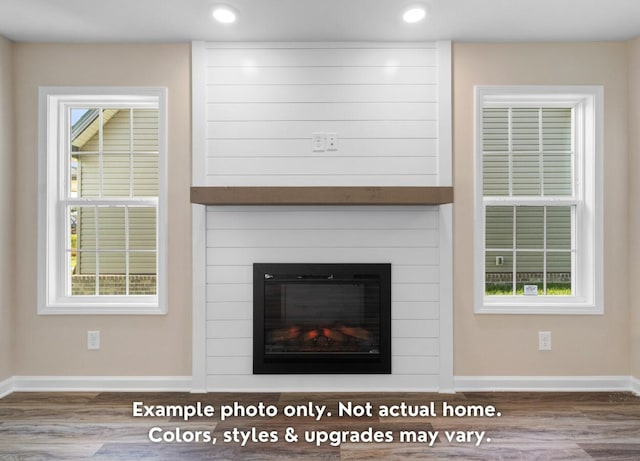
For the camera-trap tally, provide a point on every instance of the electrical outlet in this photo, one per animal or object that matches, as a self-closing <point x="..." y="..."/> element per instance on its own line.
<point x="318" y="142"/>
<point x="93" y="340"/>
<point x="332" y="141"/>
<point x="544" y="340"/>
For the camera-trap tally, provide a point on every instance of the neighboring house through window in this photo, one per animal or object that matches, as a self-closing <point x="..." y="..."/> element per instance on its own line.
<point x="102" y="208"/>
<point x="538" y="242"/>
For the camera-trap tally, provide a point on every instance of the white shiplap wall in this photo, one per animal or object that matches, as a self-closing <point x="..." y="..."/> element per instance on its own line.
<point x="255" y="107"/>
<point x="407" y="237"/>
<point x="264" y="101"/>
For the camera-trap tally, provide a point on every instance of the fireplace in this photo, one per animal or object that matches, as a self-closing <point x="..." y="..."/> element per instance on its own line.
<point x="321" y="318"/>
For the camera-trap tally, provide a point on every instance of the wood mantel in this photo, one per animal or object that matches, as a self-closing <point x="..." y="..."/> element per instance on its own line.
<point x="326" y="195"/>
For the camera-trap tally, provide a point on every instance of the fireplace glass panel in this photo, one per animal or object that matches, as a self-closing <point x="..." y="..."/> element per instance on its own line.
<point x="322" y="316"/>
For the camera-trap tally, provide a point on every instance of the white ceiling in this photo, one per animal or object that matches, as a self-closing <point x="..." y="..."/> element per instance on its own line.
<point x="318" y="20"/>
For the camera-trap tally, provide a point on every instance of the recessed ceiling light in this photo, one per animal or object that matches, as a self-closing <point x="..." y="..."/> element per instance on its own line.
<point x="414" y="14"/>
<point x="224" y="14"/>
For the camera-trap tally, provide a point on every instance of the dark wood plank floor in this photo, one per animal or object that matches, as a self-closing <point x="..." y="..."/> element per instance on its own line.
<point x="532" y="426"/>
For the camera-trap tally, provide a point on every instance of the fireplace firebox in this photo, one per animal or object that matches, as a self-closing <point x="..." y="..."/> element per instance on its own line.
<point x="321" y="318"/>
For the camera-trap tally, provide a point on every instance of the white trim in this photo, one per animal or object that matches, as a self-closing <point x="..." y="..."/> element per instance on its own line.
<point x="6" y="387"/>
<point x="446" y="299"/>
<point x="445" y="224"/>
<point x="198" y="114"/>
<point x="52" y="300"/>
<point x="183" y="384"/>
<point x="101" y="383"/>
<point x="320" y="45"/>
<point x="445" y="121"/>
<point x="543" y="384"/>
<point x="198" y="217"/>
<point x="199" y="301"/>
<point x="589" y="102"/>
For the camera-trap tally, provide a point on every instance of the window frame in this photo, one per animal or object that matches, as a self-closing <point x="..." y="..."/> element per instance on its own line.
<point x="587" y="275"/>
<point x="54" y="104"/>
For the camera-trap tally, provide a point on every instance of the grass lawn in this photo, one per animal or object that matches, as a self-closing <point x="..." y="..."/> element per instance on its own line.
<point x="506" y="289"/>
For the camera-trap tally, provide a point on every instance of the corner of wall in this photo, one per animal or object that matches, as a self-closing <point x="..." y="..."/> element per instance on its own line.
<point x="633" y="50"/>
<point x="7" y="204"/>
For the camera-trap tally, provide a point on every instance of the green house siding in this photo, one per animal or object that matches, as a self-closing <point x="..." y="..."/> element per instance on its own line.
<point x="527" y="158"/>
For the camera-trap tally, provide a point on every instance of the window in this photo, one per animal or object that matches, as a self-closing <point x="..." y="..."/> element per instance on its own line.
<point x="538" y="168"/>
<point x="102" y="201"/>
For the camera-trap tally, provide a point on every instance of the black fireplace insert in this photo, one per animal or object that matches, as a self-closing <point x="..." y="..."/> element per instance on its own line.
<point x="321" y="318"/>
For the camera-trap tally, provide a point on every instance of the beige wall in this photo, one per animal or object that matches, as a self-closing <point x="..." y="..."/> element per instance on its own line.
<point x="485" y="345"/>
<point x="634" y="198"/>
<point x="6" y="209"/>
<point x="507" y="345"/>
<point x="131" y="345"/>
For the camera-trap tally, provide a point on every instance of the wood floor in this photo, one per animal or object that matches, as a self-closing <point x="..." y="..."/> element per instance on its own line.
<point x="531" y="426"/>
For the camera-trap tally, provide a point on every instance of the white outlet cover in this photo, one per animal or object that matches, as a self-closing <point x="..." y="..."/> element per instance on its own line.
<point x="332" y="141"/>
<point x="544" y="340"/>
<point x="93" y="340"/>
<point x="318" y="142"/>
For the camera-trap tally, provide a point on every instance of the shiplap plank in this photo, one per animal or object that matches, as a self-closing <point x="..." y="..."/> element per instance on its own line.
<point x="229" y="329"/>
<point x="321" y="166"/>
<point x="322" y="57"/>
<point x="229" y="274"/>
<point x="387" y="148"/>
<point x="376" y="129"/>
<point x="292" y="217"/>
<point x="236" y="293"/>
<point x="414" y="310"/>
<point x="225" y="310"/>
<point x="310" y="238"/>
<point x="322" y="111"/>
<point x="236" y="365"/>
<point x="415" y="347"/>
<point x="320" y="75"/>
<point x="403" y="365"/>
<point x="414" y="328"/>
<point x="323" y="180"/>
<point x="230" y="93"/>
<point x="415" y="292"/>
<point x="415" y="274"/>
<point x="233" y="347"/>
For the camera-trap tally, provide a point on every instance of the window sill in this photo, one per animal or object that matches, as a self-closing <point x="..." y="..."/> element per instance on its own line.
<point x="102" y="308"/>
<point x="518" y="306"/>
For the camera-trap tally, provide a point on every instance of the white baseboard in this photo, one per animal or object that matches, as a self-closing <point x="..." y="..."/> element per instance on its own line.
<point x="6" y="387"/>
<point x="544" y="384"/>
<point x="101" y="384"/>
<point x="184" y="383"/>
